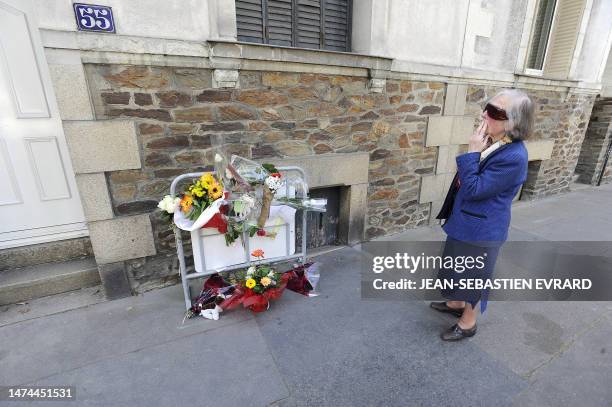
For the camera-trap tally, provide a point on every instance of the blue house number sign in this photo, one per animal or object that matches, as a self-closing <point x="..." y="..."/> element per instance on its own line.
<point x="90" y="17"/>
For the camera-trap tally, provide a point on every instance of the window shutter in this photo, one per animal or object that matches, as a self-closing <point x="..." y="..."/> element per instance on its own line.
<point x="568" y="18"/>
<point x="308" y="27"/>
<point x="250" y="21"/>
<point x="336" y="25"/>
<point x="280" y="15"/>
<point x="319" y="24"/>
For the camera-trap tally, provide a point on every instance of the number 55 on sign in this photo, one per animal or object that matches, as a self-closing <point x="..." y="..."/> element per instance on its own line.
<point x="90" y="17"/>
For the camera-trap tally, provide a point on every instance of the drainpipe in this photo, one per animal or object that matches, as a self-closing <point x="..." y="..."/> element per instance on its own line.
<point x="605" y="163"/>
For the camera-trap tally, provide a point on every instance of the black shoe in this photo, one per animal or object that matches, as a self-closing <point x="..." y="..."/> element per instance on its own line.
<point x="456" y="333"/>
<point x="442" y="307"/>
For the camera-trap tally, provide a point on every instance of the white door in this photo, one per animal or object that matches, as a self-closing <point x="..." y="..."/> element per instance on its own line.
<point x="39" y="201"/>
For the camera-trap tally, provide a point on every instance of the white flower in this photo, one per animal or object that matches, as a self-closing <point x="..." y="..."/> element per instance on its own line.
<point x="271" y="274"/>
<point x="273" y="183"/>
<point x="168" y="204"/>
<point x="218" y="158"/>
<point x="250" y="271"/>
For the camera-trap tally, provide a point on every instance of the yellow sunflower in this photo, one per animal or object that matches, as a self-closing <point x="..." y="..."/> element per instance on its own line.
<point x="215" y="191"/>
<point x="250" y="283"/>
<point x="207" y="180"/>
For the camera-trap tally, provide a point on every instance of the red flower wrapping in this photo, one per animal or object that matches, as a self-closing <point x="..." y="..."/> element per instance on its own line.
<point x="253" y="301"/>
<point x="276" y="292"/>
<point x="298" y="281"/>
<point x="215" y="281"/>
<point x="250" y="299"/>
<point x="218" y="222"/>
<point x="234" y="300"/>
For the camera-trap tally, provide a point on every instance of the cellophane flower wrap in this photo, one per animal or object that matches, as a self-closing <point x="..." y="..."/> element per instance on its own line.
<point x="200" y="205"/>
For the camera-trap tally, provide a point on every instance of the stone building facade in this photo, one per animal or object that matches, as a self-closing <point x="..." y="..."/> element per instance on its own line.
<point x="595" y="164"/>
<point x="139" y="109"/>
<point x="268" y="115"/>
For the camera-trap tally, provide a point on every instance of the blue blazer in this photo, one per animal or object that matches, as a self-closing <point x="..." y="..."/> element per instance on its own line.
<point x="482" y="204"/>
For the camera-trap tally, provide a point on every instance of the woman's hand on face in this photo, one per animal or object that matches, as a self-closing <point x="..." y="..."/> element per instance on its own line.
<point x="479" y="140"/>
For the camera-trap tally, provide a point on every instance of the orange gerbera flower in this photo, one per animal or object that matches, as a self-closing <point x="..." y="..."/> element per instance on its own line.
<point x="186" y="203"/>
<point x="257" y="253"/>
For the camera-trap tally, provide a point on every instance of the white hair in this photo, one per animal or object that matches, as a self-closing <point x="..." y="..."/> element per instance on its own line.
<point x="520" y="111"/>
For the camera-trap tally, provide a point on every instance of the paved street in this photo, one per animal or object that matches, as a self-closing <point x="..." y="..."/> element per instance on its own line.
<point x="331" y="350"/>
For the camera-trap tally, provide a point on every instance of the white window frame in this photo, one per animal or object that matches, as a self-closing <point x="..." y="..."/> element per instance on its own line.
<point x="540" y="72"/>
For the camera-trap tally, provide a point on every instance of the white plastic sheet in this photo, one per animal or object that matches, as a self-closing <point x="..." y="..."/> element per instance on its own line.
<point x="184" y="223"/>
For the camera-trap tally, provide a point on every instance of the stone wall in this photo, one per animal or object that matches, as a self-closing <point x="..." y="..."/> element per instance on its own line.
<point x="180" y="117"/>
<point x="272" y="114"/>
<point x="596" y="142"/>
<point x="559" y="117"/>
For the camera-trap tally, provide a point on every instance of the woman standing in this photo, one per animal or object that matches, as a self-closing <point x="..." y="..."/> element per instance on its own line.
<point x="477" y="206"/>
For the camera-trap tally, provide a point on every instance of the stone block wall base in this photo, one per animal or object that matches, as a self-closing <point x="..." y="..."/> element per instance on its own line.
<point x="123" y="238"/>
<point x="114" y="280"/>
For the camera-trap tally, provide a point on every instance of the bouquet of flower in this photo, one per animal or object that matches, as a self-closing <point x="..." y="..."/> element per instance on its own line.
<point x="257" y="286"/>
<point x="260" y="278"/>
<point x="200" y="195"/>
<point x="200" y="205"/>
<point x="253" y="288"/>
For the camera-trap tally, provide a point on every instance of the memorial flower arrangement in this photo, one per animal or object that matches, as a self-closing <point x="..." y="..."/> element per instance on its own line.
<point x="253" y="288"/>
<point x="257" y="286"/>
<point x="253" y="186"/>
<point x="261" y="277"/>
<point x="237" y="199"/>
<point x="200" y="195"/>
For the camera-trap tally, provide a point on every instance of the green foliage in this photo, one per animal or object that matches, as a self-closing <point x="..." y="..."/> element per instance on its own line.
<point x="261" y="271"/>
<point x="270" y="168"/>
<point x="234" y="230"/>
<point x="199" y="205"/>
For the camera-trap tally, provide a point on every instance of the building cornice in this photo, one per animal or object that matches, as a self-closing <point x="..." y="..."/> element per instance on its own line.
<point x="235" y="55"/>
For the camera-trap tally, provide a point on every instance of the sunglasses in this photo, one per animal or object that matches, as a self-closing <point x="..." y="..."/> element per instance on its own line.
<point x="495" y="112"/>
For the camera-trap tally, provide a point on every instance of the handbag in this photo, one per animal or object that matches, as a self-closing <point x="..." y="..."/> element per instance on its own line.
<point x="447" y="206"/>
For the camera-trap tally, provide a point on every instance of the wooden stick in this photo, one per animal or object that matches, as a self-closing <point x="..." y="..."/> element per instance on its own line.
<point x="265" y="206"/>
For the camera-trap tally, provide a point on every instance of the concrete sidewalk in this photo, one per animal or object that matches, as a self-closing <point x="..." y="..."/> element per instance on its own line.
<point x="332" y="350"/>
